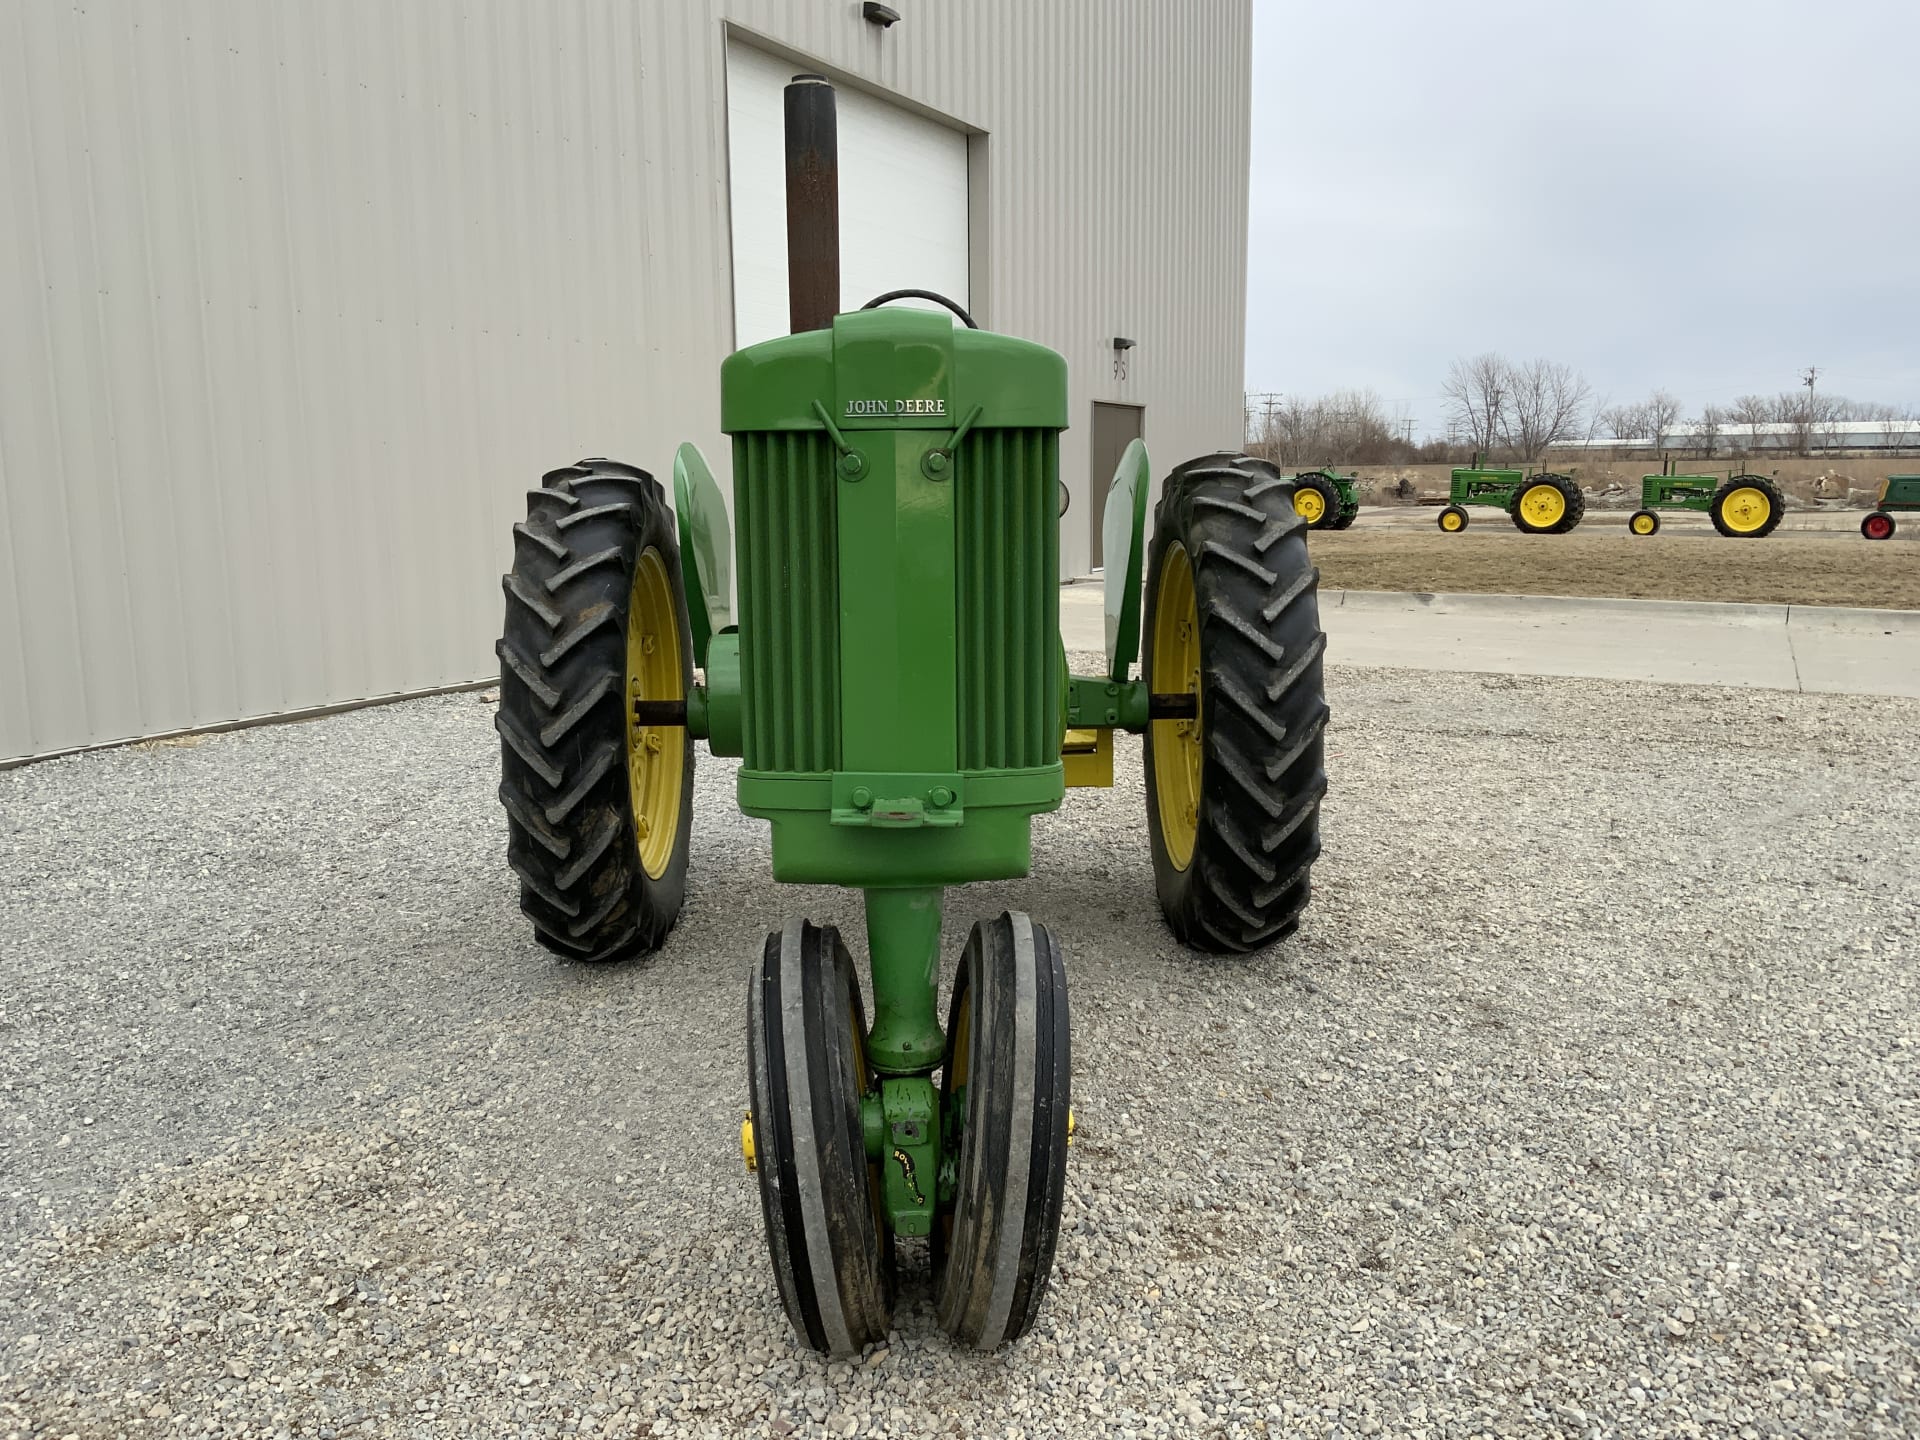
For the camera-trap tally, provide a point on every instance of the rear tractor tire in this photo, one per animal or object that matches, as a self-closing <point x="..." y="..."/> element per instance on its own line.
<point x="599" y="796"/>
<point x="1316" y="500"/>
<point x="1547" y="505"/>
<point x="1643" y="522"/>
<point x="1234" y="759"/>
<point x="1747" y="507"/>
<point x="1878" y="526"/>
<point x="1453" y="519"/>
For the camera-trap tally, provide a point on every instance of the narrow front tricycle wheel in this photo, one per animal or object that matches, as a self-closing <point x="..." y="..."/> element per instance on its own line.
<point x="819" y="1194"/>
<point x="1005" y="1095"/>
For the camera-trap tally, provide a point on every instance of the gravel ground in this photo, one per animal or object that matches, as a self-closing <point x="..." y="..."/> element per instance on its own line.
<point x="1585" y="1103"/>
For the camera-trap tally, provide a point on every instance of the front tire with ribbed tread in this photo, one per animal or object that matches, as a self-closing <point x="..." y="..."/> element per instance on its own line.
<point x="1008" y="1095"/>
<point x="1262" y="707"/>
<point x="562" y="720"/>
<point x="832" y="1255"/>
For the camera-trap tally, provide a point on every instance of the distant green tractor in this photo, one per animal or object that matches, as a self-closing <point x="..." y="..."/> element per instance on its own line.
<point x="1900" y="492"/>
<point x="1540" y="504"/>
<point x="1326" y="499"/>
<point x="1743" y="506"/>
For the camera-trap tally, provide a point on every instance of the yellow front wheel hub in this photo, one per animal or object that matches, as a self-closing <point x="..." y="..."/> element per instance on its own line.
<point x="656" y="754"/>
<point x="1745" y="510"/>
<point x="1451" y="521"/>
<point x="1643" y="524"/>
<point x="1310" y="505"/>
<point x="747" y="1151"/>
<point x="1543" y="506"/>
<point x="1175" y="670"/>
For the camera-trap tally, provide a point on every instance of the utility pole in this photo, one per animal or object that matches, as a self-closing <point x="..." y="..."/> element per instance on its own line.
<point x="1812" y="374"/>
<point x="1262" y="441"/>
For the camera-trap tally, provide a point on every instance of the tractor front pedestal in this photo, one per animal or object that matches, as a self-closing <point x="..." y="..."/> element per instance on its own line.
<point x="903" y="947"/>
<point x="901" y="1114"/>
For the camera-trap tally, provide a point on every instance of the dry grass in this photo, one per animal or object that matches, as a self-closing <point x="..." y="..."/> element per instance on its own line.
<point x="1783" y="569"/>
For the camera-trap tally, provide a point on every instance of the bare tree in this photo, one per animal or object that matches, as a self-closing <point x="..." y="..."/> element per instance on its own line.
<point x="1835" y="415"/>
<point x="1348" y="427"/>
<point x="1707" y="428"/>
<point x="1546" y="403"/>
<point x="1755" y="412"/>
<point x="1625" y="422"/>
<point x="1663" y="413"/>
<point x="1897" y="425"/>
<point x="1292" y="427"/>
<point x="1475" y="396"/>
<point x="1794" y="409"/>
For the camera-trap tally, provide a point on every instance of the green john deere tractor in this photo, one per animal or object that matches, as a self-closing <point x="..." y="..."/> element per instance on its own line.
<point x="1898" y="493"/>
<point x="1541" y="504"/>
<point x="1326" y="499"/>
<point x="1745" y="507"/>
<point x="896" y="688"/>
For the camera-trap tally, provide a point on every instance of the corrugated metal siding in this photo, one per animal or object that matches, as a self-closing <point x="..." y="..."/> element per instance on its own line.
<point x="297" y="298"/>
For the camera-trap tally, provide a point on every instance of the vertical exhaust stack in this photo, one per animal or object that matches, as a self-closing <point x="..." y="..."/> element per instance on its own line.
<point x="813" y="204"/>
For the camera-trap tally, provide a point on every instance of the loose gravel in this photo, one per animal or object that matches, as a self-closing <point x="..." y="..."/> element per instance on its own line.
<point x="1585" y="1103"/>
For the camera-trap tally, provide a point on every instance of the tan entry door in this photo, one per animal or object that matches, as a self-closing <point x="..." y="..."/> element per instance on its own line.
<point x="1113" y="427"/>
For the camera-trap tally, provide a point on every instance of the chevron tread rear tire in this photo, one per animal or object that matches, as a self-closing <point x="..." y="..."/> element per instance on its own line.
<point x="1326" y="514"/>
<point x="1776" y="507"/>
<point x="564" y="688"/>
<point x="1255" y="829"/>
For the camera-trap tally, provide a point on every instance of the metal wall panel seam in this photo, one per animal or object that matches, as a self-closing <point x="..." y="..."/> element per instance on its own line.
<point x="35" y="192"/>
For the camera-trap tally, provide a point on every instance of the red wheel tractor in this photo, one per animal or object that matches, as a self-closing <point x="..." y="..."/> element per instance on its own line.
<point x="1899" y="493"/>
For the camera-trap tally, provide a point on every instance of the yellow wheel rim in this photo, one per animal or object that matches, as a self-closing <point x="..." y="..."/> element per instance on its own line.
<point x="1643" y="524"/>
<point x="1746" y="510"/>
<point x="1451" y="521"/>
<point x="1309" y="505"/>
<point x="1176" y="671"/>
<point x="1543" y="505"/>
<point x="656" y="754"/>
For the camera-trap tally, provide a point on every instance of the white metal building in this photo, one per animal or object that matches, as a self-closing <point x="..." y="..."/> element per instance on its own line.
<point x="298" y="296"/>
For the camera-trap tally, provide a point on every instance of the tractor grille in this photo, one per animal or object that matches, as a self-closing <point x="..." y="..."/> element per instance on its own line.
<point x="1007" y="515"/>
<point x="784" y="498"/>
<point x="1007" y="598"/>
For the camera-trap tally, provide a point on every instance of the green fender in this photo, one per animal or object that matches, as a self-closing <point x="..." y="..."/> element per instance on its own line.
<point x="1121" y="530"/>
<point x="706" y="547"/>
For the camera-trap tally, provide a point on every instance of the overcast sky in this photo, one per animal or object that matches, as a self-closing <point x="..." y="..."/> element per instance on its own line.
<point x="1702" y="195"/>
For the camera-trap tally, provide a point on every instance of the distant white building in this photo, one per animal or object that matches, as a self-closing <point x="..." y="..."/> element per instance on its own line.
<point x="1776" y="436"/>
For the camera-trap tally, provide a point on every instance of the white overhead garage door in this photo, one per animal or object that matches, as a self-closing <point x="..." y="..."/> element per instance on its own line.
<point x="903" y="197"/>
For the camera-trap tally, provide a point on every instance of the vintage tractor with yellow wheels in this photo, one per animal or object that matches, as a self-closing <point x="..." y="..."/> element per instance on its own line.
<point x="1326" y="499"/>
<point x="1742" y="506"/>
<point x="1541" y="504"/>
<point x="894" y="685"/>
